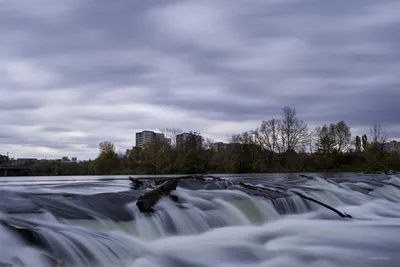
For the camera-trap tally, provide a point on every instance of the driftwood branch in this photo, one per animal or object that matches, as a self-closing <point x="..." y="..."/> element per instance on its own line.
<point x="343" y="215"/>
<point x="146" y="201"/>
<point x="163" y="187"/>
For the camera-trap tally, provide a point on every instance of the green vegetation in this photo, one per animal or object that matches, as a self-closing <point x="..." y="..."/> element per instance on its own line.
<point x="278" y="145"/>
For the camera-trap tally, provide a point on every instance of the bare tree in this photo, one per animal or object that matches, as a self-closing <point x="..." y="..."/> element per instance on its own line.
<point x="310" y="144"/>
<point x="208" y="143"/>
<point x="378" y="135"/>
<point x="234" y="139"/>
<point x="245" y="138"/>
<point x="294" y="132"/>
<point x="171" y="133"/>
<point x="267" y="136"/>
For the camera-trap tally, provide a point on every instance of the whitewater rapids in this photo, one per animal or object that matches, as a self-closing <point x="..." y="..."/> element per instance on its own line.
<point x="98" y="224"/>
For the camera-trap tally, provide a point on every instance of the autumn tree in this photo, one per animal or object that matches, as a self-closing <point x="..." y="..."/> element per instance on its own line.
<point x="191" y="155"/>
<point x="157" y="156"/>
<point x="107" y="150"/>
<point x="107" y="162"/>
<point x="133" y="158"/>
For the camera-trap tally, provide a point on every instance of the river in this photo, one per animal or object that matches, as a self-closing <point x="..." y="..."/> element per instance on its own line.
<point x="94" y="221"/>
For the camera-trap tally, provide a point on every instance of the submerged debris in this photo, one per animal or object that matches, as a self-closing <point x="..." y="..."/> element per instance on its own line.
<point x="343" y="215"/>
<point x="146" y="201"/>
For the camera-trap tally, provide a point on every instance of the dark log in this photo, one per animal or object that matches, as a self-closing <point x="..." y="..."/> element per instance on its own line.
<point x="143" y="180"/>
<point x="343" y="215"/>
<point x="146" y="201"/>
<point x="306" y="176"/>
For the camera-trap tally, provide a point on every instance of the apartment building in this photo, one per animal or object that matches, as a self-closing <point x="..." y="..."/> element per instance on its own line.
<point x="219" y="146"/>
<point x="183" y="139"/>
<point x="145" y="137"/>
<point x="23" y="161"/>
<point x="392" y="146"/>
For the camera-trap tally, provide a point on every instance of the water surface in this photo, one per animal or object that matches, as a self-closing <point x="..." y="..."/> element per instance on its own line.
<point x="93" y="221"/>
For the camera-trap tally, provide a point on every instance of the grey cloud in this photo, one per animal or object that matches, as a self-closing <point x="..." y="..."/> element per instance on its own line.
<point x="23" y="104"/>
<point x="5" y="136"/>
<point x="23" y="140"/>
<point x="111" y="118"/>
<point x="363" y="110"/>
<point x="55" y="129"/>
<point x="84" y="72"/>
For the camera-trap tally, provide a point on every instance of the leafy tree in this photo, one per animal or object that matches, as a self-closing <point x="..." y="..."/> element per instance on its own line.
<point x="107" y="150"/>
<point x="364" y="141"/>
<point x="4" y="159"/>
<point x="358" y="144"/>
<point x="343" y="136"/>
<point x="326" y="138"/>
<point x="108" y="160"/>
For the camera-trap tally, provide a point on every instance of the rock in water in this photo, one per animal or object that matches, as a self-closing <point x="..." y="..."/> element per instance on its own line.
<point x="17" y="262"/>
<point x="52" y="261"/>
<point x="26" y="233"/>
<point x="146" y="201"/>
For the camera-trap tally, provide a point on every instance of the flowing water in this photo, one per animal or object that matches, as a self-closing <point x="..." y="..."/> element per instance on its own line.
<point x="88" y="221"/>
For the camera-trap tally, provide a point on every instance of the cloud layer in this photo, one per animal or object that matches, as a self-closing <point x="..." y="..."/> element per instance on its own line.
<point x="75" y="73"/>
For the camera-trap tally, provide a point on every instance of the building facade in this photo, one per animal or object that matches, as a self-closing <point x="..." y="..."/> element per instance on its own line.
<point x="23" y="161"/>
<point x="145" y="137"/>
<point x="219" y="146"/>
<point x="184" y="140"/>
<point x="392" y="146"/>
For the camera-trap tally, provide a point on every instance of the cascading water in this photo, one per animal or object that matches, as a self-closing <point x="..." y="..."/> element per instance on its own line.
<point x="243" y="222"/>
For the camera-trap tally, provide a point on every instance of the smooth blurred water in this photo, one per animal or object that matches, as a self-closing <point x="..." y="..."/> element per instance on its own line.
<point x="93" y="221"/>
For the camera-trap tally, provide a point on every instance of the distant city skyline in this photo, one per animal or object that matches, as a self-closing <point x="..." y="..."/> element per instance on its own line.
<point x="70" y="80"/>
<point x="390" y="145"/>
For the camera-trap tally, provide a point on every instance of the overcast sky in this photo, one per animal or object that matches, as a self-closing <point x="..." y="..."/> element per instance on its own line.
<point x="75" y="73"/>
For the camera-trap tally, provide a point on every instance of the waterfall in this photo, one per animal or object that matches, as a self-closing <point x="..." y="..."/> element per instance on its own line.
<point x="254" y="224"/>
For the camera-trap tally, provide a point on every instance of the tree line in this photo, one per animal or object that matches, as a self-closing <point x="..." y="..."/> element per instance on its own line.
<point x="284" y="144"/>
